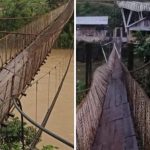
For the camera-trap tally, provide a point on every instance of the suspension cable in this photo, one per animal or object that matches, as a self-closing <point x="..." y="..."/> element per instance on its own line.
<point x="44" y="122"/>
<point x="40" y="127"/>
<point x="104" y="54"/>
<point x="36" y="103"/>
<point x="117" y="51"/>
<point x="49" y="78"/>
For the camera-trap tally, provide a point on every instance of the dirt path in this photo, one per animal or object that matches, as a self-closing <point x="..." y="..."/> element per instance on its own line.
<point x="61" y="119"/>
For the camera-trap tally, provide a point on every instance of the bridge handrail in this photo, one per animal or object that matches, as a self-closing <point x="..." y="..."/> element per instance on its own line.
<point x="41" y="127"/>
<point x="12" y="44"/>
<point x="88" y="111"/>
<point x="140" y="106"/>
<point x="17" y="75"/>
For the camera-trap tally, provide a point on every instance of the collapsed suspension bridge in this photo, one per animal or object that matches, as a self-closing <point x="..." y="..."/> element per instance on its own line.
<point x="22" y="54"/>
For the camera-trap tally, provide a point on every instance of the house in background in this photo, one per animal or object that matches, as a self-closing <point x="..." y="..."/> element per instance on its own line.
<point x="136" y="17"/>
<point x="91" y="28"/>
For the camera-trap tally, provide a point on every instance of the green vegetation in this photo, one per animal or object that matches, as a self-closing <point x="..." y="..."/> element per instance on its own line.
<point x="98" y="9"/>
<point x="17" y="8"/>
<point x="142" y="54"/>
<point x="26" y="8"/>
<point x="10" y="136"/>
<point x="66" y="37"/>
<point x="23" y="8"/>
<point x="142" y="49"/>
<point x="49" y="147"/>
<point x="113" y="12"/>
<point x="20" y="8"/>
<point x="80" y="87"/>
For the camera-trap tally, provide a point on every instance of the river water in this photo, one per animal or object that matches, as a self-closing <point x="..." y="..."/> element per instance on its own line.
<point x="35" y="104"/>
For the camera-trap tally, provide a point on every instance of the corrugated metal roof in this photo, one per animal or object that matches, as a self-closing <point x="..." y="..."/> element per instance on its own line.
<point x="92" y="20"/>
<point x="134" y="5"/>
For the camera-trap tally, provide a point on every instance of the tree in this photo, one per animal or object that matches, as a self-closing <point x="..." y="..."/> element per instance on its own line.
<point x="21" y="8"/>
<point x="143" y="46"/>
<point x="10" y="136"/>
<point x="66" y="37"/>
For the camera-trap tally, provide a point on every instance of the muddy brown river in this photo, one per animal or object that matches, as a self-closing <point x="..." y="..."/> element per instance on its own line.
<point x="61" y="119"/>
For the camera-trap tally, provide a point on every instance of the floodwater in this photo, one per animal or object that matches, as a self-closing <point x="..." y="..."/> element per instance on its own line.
<point x="40" y="95"/>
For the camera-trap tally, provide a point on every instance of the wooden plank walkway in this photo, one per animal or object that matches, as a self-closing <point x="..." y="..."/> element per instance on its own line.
<point x="116" y="130"/>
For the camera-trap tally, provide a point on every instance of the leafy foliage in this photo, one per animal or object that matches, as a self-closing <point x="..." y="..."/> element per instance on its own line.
<point x="67" y="36"/>
<point x="142" y="49"/>
<point x="80" y="85"/>
<point x="21" y="8"/>
<point x="142" y="52"/>
<point x="80" y="91"/>
<point x="49" y="147"/>
<point x="17" y="8"/>
<point x="26" y="8"/>
<point x="113" y="12"/>
<point x="10" y="136"/>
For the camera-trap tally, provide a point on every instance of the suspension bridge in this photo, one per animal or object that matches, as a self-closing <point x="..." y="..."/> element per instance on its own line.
<point x="115" y="114"/>
<point x="115" y="111"/>
<point x="22" y="53"/>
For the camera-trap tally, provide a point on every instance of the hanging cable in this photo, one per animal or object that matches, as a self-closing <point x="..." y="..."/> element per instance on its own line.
<point x="56" y="98"/>
<point x="104" y="54"/>
<point x="54" y="30"/>
<point x="59" y="71"/>
<point x="36" y="139"/>
<point x="40" y="127"/>
<point x="36" y="103"/>
<point x="48" y="89"/>
<point x="117" y="51"/>
<point x="55" y="78"/>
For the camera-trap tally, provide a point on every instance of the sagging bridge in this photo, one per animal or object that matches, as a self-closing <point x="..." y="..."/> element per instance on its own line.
<point x="115" y="113"/>
<point x="21" y="55"/>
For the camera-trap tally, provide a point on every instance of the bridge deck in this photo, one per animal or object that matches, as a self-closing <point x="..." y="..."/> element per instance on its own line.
<point x="18" y="73"/>
<point x="114" y="107"/>
<point x="115" y="130"/>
